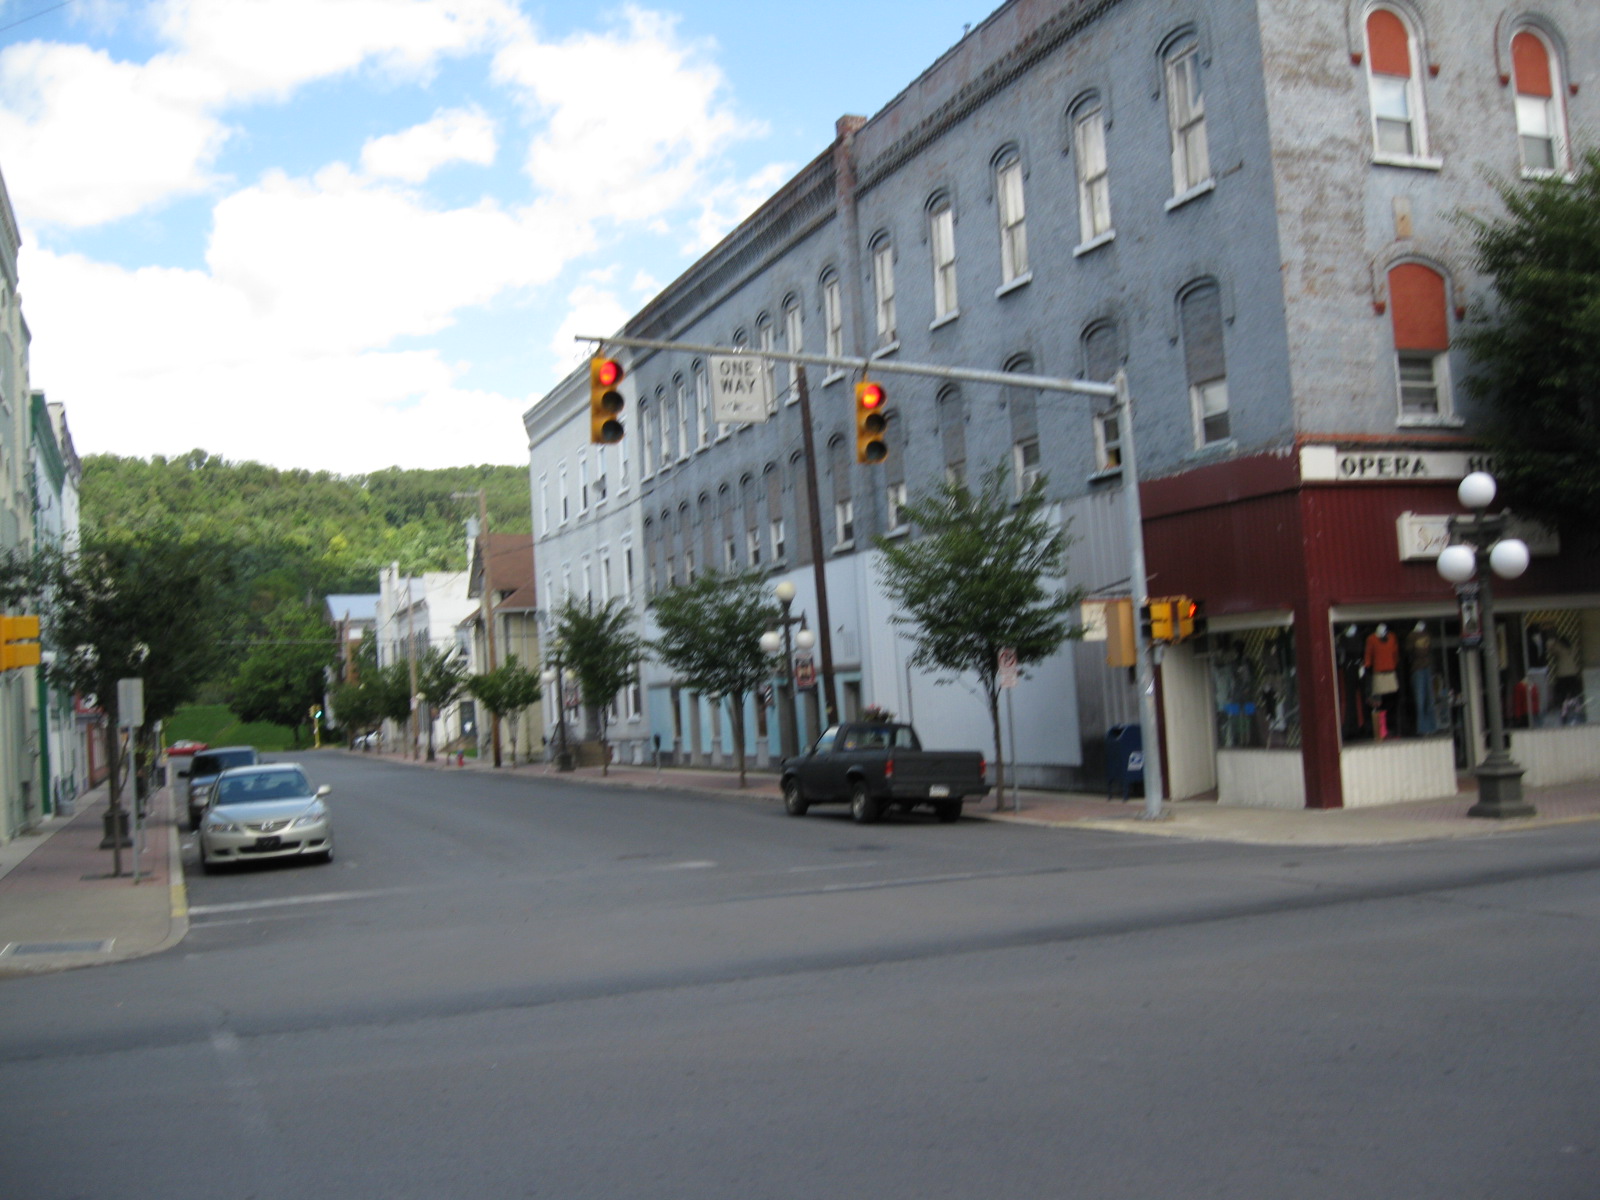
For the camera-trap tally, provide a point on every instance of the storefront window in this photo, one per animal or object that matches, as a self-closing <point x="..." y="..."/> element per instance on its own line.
<point x="1257" y="698"/>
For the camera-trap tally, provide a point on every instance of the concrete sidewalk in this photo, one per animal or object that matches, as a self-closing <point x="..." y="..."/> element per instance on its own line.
<point x="60" y="907"/>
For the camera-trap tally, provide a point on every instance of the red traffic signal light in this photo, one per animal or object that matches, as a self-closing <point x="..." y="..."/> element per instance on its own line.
<point x="871" y="421"/>
<point x="605" y="401"/>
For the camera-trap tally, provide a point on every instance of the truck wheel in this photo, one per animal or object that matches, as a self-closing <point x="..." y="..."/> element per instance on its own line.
<point x="862" y="806"/>
<point x="792" y="803"/>
<point x="948" y="811"/>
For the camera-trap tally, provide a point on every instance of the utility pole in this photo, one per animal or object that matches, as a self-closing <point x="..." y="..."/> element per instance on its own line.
<point x="819" y="565"/>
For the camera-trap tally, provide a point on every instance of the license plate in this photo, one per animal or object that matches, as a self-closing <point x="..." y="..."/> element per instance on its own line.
<point x="268" y="843"/>
<point x="938" y="791"/>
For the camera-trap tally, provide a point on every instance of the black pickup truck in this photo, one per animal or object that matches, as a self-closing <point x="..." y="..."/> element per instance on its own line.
<point x="875" y="766"/>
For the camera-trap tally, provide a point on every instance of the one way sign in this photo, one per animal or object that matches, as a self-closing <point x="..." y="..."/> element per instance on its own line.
<point x="741" y="389"/>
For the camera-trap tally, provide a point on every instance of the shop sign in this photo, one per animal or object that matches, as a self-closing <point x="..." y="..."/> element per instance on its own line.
<point x="1329" y="464"/>
<point x="1423" y="535"/>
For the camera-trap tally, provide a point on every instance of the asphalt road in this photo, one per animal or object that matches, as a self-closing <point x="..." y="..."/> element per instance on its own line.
<point x="529" y="987"/>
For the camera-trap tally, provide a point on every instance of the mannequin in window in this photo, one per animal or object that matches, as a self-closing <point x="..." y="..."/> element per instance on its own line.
<point x="1567" y="673"/>
<point x="1348" y="652"/>
<point x="1382" y="662"/>
<point x="1419" y="660"/>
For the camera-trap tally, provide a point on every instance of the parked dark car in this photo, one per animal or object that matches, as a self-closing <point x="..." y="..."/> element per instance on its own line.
<point x="204" y="768"/>
<point x="875" y="766"/>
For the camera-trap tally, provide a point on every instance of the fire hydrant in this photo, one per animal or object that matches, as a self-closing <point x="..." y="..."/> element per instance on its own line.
<point x="461" y="758"/>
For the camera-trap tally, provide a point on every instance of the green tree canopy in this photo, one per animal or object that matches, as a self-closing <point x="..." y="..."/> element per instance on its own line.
<point x="505" y="692"/>
<point x="284" y="677"/>
<point x="980" y="575"/>
<point x="1536" y="346"/>
<point x="441" y="677"/>
<point x="601" y="650"/>
<point x="711" y="639"/>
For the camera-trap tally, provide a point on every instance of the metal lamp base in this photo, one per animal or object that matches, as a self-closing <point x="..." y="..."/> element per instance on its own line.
<point x="1500" y="791"/>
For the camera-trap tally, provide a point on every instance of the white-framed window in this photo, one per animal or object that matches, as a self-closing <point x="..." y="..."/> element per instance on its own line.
<point x="1200" y="317"/>
<point x="1186" y="118"/>
<point x="566" y="503"/>
<point x="1025" y="464"/>
<point x="1541" y="113"/>
<point x="1094" y="177"/>
<point x="895" y="495"/>
<point x="682" y="399"/>
<point x="1394" y="87"/>
<point x="752" y="546"/>
<point x="883" y="291"/>
<point x="583" y="482"/>
<point x="942" y="241"/>
<point x="779" y="546"/>
<point x="632" y="699"/>
<point x="605" y="576"/>
<point x="702" y="403"/>
<point x="622" y="468"/>
<point x="1420" y="319"/>
<point x="794" y="342"/>
<point x="844" y="520"/>
<point x="647" y="445"/>
<point x="544" y="503"/>
<point x="588" y="580"/>
<point x="1107" y="439"/>
<point x="768" y="338"/>
<point x="688" y="564"/>
<point x="1013" y="218"/>
<point x="832" y="319"/>
<point x="601" y="474"/>
<point x="730" y="552"/>
<point x="667" y="456"/>
<point x="627" y="574"/>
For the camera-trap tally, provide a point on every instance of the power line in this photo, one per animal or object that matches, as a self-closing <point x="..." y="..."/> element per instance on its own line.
<point x="35" y="16"/>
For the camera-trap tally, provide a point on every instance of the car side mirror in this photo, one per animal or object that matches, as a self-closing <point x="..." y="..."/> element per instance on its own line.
<point x="324" y="790"/>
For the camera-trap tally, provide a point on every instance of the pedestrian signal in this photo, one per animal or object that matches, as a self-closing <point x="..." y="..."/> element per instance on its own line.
<point x="605" y="401"/>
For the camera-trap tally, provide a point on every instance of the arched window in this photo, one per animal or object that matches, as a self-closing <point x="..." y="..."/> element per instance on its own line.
<point x="832" y="317"/>
<point x="702" y="405"/>
<point x="882" y="247"/>
<point x="942" y="243"/>
<point x="1200" y="316"/>
<point x="1012" y="211"/>
<point x="953" y="433"/>
<point x="1094" y="178"/>
<point x="1541" y="116"/>
<point x="793" y="341"/>
<point x="1186" y="116"/>
<point x="1101" y="358"/>
<point x="1421" y="322"/>
<point x="1394" y="86"/>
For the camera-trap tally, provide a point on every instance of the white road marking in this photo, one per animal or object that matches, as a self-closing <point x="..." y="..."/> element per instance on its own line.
<point x="319" y="898"/>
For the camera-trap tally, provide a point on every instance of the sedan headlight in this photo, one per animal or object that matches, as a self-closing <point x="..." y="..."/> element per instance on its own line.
<point x="220" y="824"/>
<point x="315" y="817"/>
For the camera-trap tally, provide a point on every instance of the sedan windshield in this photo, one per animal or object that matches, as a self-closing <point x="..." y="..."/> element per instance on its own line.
<point x="274" y="785"/>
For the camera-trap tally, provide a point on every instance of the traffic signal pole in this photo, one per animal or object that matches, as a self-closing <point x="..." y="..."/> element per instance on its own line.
<point x="1133" y="510"/>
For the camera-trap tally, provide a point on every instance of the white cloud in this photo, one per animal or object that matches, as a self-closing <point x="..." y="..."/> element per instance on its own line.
<point x="591" y="309"/>
<point x="630" y="120"/>
<point x="459" y="135"/>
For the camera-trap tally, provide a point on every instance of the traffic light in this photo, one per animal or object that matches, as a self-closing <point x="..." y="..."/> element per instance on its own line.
<point x="1156" y="620"/>
<point x="19" y="642"/>
<point x="605" y="401"/>
<point x="871" y="421"/>
<point x="1190" y="622"/>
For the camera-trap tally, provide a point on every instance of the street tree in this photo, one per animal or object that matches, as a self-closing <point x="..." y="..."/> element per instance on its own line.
<point x="711" y="639"/>
<point x="283" y="678"/>
<point x="505" y="692"/>
<point x="602" y="651"/>
<point x="982" y="574"/>
<point x="135" y="604"/>
<point x="441" y="677"/>
<point x="1535" y="345"/>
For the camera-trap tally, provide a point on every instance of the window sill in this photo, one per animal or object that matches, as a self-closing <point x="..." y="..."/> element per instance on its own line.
<point x="886" y="349"/>
<point x="945" y="320"/>
<point x="1200" y="189"/>
<point x="1411" y="163"/>
<point x="899" y="531"/>
<point x="832" y="377"/>
<point x="1565" y="175"/>
<point x="1428" y="421"/>
<point x="844" y="547"/>
<point x="1215" y="449"/>
<point x="1094" y="243"/>
<point x="1021" y="281"/>
<point x="1106" y="475"/>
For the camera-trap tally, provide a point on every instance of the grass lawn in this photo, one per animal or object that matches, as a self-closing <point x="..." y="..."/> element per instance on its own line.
<point x="215" y="725"/>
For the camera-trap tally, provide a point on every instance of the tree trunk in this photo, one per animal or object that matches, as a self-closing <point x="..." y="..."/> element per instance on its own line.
<point x="736" y="724"/>
<point x="427" y="715"/>
<point x="602" y="716"/>
<point x="999" y="755"/>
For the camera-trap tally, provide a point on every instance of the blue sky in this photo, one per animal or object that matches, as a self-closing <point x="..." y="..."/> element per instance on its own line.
<point x="348" y="234"/>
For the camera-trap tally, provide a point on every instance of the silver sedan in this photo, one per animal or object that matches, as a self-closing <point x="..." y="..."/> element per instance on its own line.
<point x="265" y="811"/>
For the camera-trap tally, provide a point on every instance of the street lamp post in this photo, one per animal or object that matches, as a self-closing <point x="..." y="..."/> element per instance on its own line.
<point x="1478" y="542"/>
<point x="553" y="675"/>
<point x="788" y="716"/>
